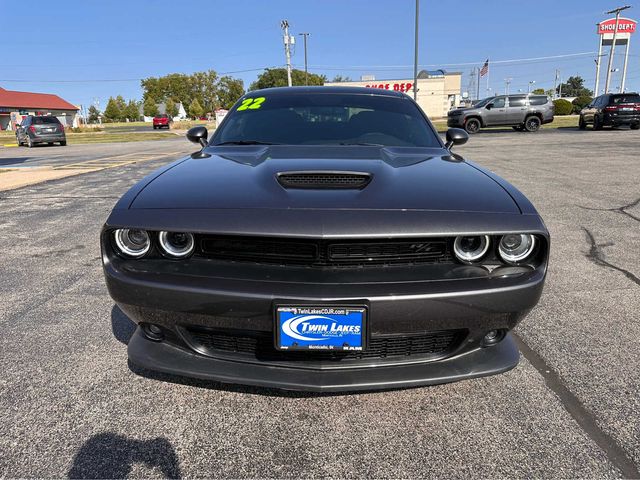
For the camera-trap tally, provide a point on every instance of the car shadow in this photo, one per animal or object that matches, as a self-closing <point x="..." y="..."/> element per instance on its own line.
<point x="122" y="326"/>
<point x="13" y="161"/>
<point x="109" y="455"/>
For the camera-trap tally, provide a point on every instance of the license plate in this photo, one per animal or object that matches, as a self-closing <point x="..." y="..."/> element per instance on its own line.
<point x="320" y="328"/>
<point x="48" y="130"/>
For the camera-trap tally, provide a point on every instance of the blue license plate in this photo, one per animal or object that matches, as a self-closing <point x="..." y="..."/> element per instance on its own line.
<point x="320" y="328"/>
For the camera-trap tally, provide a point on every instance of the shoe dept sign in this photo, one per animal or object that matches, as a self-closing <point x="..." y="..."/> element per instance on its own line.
<point x="626" y="27"/>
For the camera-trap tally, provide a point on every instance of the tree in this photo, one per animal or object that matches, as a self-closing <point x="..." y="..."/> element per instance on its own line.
<point x="94" y="114"/>
<point x="132" y="111"/>
<point x="574" y="87"/>
<point x="563" y="107"/>
<point x="113" y="112"/>
<point x="150" y="108"/>
<point x="195" y="109"/>
<point x="170" y="108"/>
<point x="538" y="91"/>
<point x="229" y="91"/>
<point x="580" y="102"/>
<point x="340" y="78"/>
<point x="277" y="77"/>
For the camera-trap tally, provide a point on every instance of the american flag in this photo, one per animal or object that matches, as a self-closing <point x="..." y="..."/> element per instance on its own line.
<point x="485" y="68"/>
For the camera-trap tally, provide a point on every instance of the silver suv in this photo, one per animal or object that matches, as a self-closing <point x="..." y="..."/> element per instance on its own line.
<point x="522" y="112"/>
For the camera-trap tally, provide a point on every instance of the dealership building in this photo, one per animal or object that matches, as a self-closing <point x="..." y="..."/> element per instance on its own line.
<point x="438" y="91"/>
<point x="14" y="105"/>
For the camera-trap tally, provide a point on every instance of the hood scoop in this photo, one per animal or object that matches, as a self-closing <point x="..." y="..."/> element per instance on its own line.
<point x="324" y="180"/>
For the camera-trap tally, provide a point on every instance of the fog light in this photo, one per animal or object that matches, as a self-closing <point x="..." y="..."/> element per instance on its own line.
<point x="492" y="337"/>
<point x="152" y="332"/>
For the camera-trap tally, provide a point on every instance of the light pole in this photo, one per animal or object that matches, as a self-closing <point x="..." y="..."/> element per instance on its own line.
<point x="304" y="36"/>
<point x="531" y="82"/>
<point x="613" y="44"/>
<point x="507" y="82"/>
<point x="287" y="48"/>
<point x="415" y="54"/>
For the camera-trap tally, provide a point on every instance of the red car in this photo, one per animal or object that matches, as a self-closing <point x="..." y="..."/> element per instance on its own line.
<point x="162" y="121"/>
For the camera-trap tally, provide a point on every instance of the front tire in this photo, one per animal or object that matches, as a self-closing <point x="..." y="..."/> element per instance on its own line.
<point x="472" y="125"/>
<point x="63" y="143"/>
<point x="581" y="123"/>
<point x="30" y="143"/>
<point x="635" y="126"/>
<point x="597" y="123"/>
<point x="532" y="124"/>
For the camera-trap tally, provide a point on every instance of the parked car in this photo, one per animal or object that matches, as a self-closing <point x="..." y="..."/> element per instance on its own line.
<point x="325" y="239"/>
<point x="36" y="129"/>
<point x="612" y="110"/>
<point x="522" y="112"/>
<point x="162" y="121"/>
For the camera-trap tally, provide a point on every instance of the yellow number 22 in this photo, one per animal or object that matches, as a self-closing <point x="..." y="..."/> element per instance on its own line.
<point x="251" y="103"/>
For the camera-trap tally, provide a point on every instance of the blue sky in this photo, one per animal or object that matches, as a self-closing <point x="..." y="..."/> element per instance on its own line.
<point x="82" y="50"/>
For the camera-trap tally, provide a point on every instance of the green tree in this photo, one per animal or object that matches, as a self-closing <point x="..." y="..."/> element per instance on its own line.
<point x="94" y="114"/>
<point x="574" y="87"/>
<point x="195" y="109"/>
<point x="150" y="108"/>
<point x="170" y="108"/>
<point x="563" y="107"/>
<point x="277" y="77"/>
<point x="580" y="102"/>
<point x="132" y="111"/>
<point x="538" y="91"/>
<point x="113" y="112"/>
<point x="204" y="87"/>
<point x="229" y="91"/>
<point x="341" y="78"/>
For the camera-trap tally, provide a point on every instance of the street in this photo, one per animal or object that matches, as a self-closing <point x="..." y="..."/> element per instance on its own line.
<point x="71" y="404"/>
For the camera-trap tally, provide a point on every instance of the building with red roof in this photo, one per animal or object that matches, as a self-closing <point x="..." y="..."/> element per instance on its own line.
<point x="14" y="105"/>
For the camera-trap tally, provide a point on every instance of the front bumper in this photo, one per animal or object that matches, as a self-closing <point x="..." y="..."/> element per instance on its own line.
<point x="455" y="122"/>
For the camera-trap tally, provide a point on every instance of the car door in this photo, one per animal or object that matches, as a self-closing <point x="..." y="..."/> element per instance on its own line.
<point x="516" y="109"/>
<point x="496" y="112"/>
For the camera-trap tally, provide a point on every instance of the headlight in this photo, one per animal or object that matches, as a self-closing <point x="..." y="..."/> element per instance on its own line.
<point x="132" y="241"/>
<point x="176" y="244"/>
<point x="515" y="247"/>
<point x="471" y="248"/>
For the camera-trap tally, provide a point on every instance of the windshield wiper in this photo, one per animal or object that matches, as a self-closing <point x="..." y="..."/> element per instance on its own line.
<point x="363" y="144"/>
<point x="245" y="142"/>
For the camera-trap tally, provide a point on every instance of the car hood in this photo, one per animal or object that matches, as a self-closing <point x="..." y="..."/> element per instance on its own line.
<point x="457" y="111"/>
<point x="246" y="177"/>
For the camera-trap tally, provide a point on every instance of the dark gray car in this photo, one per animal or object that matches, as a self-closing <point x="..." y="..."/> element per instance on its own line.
<point x="40" y="129"/>
<point x="522" y="112"/>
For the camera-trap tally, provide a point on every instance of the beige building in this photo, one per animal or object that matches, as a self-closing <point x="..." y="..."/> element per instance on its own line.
<point x="438" y="91"/>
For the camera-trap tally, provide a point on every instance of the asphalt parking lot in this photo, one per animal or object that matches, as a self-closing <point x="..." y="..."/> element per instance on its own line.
<point x="72" y="406"/>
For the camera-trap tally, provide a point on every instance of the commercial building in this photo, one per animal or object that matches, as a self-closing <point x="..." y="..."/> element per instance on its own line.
<point x="14" y="105"/>
<point x="438" y="91"/>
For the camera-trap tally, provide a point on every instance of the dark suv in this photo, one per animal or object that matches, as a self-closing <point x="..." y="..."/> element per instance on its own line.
<point x="40" y="129"/>
<point x="612" y="109"/>
<point x="522" y="112"/>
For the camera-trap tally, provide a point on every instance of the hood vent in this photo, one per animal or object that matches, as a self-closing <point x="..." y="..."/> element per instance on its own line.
<point x="324" y="180"/>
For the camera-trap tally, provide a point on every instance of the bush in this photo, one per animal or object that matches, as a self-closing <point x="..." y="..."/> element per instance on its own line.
<point x="580" y="102"/>
<point x="86" y="129"/>
<point x="563" y="107"/>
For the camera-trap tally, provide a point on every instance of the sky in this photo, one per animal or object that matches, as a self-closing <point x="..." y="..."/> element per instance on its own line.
<point x="86" y="51"/>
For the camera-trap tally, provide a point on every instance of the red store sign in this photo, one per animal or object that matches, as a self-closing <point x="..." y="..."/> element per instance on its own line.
<point x="625" y="25"/>
<point x="399" y="87"/>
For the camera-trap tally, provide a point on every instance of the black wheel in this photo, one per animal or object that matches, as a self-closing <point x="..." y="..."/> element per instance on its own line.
<point x="597" y="123"/>
<point x="29" y="142"/>
<point x="581" y="123"/>
<point x="18" y="141"/>
<point x="532" y="124"/>
<point x="154" y="127"/>
<point x="635" y="126"/>
<point x="63" y="143"/>
<point x="472" y="125"/>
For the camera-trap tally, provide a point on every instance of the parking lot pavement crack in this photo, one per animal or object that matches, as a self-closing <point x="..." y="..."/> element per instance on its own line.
<point x="596" y="255"/>
<point x="622" y="209"/>
<point x="585" y="419"/>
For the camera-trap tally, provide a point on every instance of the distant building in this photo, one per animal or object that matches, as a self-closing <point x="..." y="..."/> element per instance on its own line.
<point x="162" y="108"/>
<point x="14" y="105"/>
<point x="438" y="91"/>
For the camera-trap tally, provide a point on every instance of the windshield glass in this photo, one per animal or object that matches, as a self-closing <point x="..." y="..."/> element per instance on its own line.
<point x="629" y="98"/>
<point x="482" y="103"/>
<point x="326" y="119"/>
<point x="43" y="120"/>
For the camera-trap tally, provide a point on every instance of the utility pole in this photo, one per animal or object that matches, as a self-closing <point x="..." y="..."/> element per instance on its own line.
<point x="287" y="48"/>
<point x="415" y="53"/>
<point x="555" y="84"/>
<point x="507" y="82"/>
<point x="306" y="74"/>
<point x="613" y="44"/>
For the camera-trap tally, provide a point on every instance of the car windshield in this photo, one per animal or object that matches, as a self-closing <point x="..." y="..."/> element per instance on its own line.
<point x="326" y="119"/>
<point x="631" y="98"/>
<point x="161" y="116"/>
<point x="43" y="120"/>
<point x="484" y="102"/>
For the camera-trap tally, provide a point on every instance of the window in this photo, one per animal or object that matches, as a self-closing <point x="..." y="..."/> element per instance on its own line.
<point x="498" y="102"/>
<point x="517" y="101"/>
<point x="626" y="98"/>
<point x="45" y="120"/>
<point x="538" y="100"/>
<point x="328" y="119"/>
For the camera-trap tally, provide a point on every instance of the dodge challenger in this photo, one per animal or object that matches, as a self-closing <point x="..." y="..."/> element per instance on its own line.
<point x="325" y="239"/>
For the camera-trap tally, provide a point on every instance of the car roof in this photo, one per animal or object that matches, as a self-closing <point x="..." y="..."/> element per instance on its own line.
<point x="329" y="90"/>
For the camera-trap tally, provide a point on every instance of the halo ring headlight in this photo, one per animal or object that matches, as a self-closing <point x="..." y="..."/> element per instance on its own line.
<point x="515" y="247"/>
<point x="470" y="248"/>
<point x="132" y="242"/>
<point x="176" y="244"/>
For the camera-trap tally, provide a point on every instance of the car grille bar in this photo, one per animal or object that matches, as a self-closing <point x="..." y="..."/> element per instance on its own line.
<point x="321" y="253"/>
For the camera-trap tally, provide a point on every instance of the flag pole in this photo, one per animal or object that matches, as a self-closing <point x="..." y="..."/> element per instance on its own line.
<point x="488" y="73"/>
<point x="478" y="85"/>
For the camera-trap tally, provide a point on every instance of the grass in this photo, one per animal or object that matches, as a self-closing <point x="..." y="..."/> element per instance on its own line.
<point x="100" y="137"/>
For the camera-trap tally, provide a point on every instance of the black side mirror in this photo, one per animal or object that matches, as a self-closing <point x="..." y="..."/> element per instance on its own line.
<point x="489" y="107"/>
<point x="456" y="136"/>
<point x="198" y="134"/>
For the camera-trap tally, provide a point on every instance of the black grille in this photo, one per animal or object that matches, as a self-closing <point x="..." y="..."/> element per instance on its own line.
<point x="321" y="253"/>
<point x="260" y="346"/>
<point x="324" y="180"/>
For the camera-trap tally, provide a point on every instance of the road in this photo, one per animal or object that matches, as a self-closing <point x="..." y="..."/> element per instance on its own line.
<point x="71" y="404"/>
